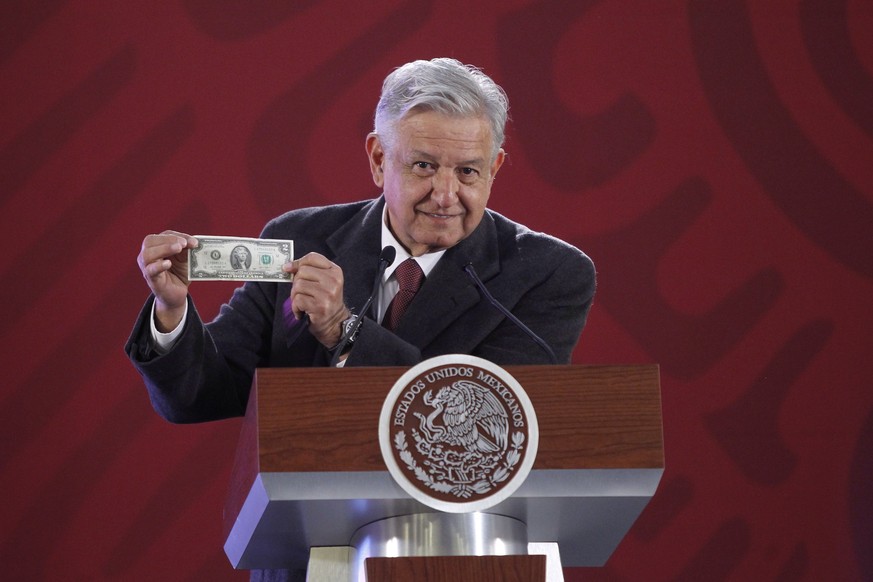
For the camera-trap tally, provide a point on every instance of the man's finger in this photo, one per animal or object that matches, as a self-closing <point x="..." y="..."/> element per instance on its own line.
<point x="164" y="250"/>
<point x="316" y="260"/>
<point x="156" y="268"/>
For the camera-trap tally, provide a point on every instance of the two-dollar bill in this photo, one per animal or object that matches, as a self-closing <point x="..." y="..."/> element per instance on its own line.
<point x="224" y="258"/>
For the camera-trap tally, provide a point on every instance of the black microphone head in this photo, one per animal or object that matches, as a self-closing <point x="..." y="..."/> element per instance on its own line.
<point x="471" y="273"/>
<point x="387" y="255"/>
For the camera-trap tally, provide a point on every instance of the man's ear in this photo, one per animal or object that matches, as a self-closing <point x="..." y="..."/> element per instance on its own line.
<point x="376" y="155"/>
<point x="498" y="161"/>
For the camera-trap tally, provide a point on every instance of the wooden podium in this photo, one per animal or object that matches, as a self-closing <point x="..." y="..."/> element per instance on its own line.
<point x="309" y="471"/>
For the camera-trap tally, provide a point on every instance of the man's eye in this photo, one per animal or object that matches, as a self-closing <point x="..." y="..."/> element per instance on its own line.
<point x="422" y="165"/>
<point x="469" y="174"/>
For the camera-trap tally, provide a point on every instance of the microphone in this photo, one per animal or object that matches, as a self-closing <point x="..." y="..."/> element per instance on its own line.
<point x="386" y="258"/>
<point x="471" y="272"/>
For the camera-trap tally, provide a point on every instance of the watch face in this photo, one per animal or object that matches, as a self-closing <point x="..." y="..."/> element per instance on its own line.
<point x="349" y="324"/>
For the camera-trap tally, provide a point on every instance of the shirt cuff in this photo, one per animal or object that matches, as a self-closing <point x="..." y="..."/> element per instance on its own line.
<point x="164" y="342"/>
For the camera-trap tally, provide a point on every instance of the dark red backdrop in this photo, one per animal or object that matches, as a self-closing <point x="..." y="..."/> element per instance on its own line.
<point x="712" y="156"/>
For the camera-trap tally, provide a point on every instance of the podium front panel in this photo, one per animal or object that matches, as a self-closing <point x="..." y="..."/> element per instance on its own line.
<point x="309" y="470"/>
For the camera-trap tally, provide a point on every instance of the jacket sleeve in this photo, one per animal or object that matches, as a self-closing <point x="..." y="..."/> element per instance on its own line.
<point x="207" y="374"/>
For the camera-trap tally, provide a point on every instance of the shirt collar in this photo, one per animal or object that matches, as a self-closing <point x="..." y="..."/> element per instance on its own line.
<point x="426" y="261"/>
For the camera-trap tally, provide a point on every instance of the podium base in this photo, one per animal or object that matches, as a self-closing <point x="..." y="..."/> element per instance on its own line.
<point x="335" y="564"/>
<point x="438" y="534"/>
<point x="458" y="568"/>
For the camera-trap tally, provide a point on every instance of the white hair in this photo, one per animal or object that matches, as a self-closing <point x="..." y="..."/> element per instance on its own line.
<point x="446" y="86"/>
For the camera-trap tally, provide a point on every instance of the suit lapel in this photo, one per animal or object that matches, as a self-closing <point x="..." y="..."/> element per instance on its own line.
<point x="356" y="250"/>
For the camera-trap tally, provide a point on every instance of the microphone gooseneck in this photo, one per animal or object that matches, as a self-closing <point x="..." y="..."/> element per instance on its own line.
<point x="471" y="272"/>
<point x="386" y="258"/>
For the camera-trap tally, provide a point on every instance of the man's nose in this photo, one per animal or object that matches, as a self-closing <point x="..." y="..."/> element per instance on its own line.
<point x="445" y="187"/>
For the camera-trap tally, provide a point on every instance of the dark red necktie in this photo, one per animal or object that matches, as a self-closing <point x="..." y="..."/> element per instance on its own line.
<point x="410" y="277"/>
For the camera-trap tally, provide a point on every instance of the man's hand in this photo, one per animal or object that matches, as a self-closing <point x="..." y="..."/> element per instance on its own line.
<point x="163" y="261"/>
<point x="317" y="291"/>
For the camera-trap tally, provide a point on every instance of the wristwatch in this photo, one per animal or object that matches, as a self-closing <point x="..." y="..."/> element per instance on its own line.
<point x="346" y="335"/>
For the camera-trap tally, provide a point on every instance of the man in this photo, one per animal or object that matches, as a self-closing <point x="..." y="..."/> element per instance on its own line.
<point x="435" y="152"/>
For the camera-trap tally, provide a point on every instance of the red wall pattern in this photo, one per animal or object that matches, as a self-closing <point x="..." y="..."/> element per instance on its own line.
<point x="713" y="157"/>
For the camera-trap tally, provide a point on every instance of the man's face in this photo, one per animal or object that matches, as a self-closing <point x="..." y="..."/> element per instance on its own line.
<point x="436" y="172"/>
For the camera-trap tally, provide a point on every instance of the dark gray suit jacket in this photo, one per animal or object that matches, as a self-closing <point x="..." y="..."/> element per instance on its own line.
<point x="546" y="283"/>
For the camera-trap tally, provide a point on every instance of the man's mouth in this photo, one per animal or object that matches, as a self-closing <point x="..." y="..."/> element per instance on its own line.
<point x="437" y="216"/>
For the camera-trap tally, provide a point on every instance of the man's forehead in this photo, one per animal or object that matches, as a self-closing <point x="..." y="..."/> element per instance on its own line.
<point x="444" y="124"/>
<point x="430" y="133"/>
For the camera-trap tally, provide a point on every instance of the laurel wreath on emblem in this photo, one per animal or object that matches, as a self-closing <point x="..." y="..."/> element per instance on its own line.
<point x="458" y="473"/>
